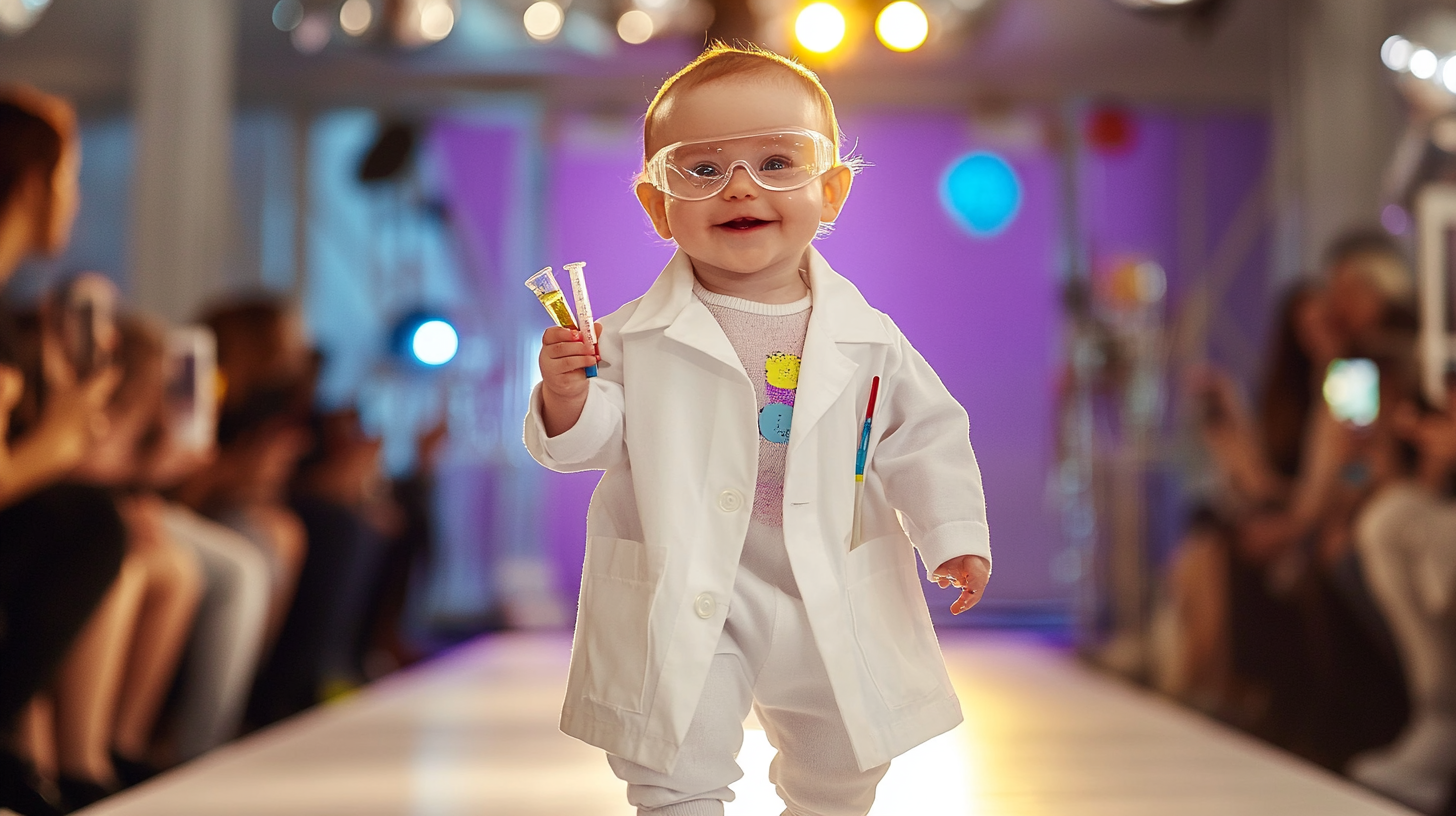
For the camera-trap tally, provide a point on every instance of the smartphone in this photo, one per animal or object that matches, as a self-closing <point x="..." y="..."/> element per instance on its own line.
<point x="1352" y="390"/>
<point x="87" y="322"/>
<point x="192" y="386"/>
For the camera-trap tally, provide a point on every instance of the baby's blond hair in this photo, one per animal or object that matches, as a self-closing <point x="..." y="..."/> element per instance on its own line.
<point x="721" y="60"/>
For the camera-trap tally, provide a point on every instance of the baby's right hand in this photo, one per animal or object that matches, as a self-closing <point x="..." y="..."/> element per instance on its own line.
<point x="563" y="385"/>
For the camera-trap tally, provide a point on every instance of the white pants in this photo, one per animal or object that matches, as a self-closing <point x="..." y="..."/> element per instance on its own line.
<point x="766" y="659"/>
<point x="227" y="633"/>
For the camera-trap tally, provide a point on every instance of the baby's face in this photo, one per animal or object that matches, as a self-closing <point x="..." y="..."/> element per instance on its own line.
<point x="743" y="230"/>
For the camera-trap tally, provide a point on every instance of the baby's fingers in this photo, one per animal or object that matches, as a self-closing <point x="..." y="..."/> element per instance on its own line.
<point x="969" y="598"/>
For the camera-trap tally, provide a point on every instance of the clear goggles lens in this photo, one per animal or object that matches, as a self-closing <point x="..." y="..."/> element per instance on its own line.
<point x="780" y="160"/>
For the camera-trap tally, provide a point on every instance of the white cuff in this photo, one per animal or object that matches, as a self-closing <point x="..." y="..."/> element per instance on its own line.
<point x="580" y="442"/>
<point x="952" y="541"/>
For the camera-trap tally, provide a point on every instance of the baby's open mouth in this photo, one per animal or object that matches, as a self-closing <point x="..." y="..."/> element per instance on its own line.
<point x="743" y="223"/>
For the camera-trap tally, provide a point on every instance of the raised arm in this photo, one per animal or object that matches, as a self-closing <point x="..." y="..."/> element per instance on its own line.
<point x="575" y="422"/>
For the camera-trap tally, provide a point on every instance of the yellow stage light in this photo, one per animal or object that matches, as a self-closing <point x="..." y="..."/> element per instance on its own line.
<point x="820" y="28"/>
<point x="902" y="26"/>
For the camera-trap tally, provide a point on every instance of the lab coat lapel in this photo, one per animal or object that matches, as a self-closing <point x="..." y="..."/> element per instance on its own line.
<point x="840" y="315"/>
<point x="670" y="305"/>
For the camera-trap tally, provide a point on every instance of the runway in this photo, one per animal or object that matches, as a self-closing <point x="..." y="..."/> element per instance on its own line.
<point x="475" y="733"/>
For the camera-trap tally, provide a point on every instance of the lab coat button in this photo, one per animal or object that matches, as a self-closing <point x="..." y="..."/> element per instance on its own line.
<point x="705" y="606"/>
<point x="729" y="501"/>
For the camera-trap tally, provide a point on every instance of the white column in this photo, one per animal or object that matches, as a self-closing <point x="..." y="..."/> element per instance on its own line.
<point x="1335" y="124"/>
<point x="183" y="93"/>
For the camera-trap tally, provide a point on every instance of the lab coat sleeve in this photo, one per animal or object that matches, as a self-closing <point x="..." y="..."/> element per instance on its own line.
<point x="596" y="441"/>
<point x="925" y="462"/>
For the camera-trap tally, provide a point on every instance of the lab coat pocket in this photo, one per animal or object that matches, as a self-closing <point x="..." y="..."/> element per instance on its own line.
<point x="621" y="580"/>
<point x="891" y="624"/>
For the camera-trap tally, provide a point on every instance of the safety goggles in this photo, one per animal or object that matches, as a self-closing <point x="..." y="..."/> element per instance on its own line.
<point x="778" y="160"/>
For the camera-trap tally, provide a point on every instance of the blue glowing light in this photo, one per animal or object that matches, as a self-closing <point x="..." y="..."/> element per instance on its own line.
<point x="434" y="343"/>
<point x="982" y="193"/>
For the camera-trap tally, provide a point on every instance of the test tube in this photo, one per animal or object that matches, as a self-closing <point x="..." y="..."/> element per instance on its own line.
<point x="577" y="273"/>
<point x="543" y="285"/>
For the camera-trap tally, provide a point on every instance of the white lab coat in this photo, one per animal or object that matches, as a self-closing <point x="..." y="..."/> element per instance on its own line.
<point x="673" y="421"/>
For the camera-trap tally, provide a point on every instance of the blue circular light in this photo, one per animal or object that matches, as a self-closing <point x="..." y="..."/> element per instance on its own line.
<point x="435" y="342"/>
<point x="982" y="193"/>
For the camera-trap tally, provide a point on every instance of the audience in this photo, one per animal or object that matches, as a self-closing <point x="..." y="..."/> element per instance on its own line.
<point x="151" y="584"/>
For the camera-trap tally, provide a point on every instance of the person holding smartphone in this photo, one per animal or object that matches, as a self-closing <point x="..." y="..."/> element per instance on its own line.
<point x="61" y="545"/>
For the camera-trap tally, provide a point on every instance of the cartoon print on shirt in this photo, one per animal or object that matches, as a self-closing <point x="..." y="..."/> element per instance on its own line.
<point x="782" y="374"/>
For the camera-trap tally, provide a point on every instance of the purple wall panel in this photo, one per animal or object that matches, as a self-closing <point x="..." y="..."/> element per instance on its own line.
<point x="1129" y="201"/>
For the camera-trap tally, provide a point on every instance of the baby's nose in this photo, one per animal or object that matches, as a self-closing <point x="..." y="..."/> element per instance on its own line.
<point x="740" y="183"/>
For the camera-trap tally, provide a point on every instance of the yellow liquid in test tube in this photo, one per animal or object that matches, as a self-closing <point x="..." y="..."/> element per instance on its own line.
<point x="555" y="303"/>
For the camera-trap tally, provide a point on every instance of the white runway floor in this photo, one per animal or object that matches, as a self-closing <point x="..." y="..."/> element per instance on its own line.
<point x="475" y="733"/>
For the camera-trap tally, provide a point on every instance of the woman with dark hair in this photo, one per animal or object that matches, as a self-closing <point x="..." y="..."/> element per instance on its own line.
<point x="60" y="545"/>
<point x="1276" y="631"/>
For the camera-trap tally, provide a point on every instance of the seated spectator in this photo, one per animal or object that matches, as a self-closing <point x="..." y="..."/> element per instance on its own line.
<point x="228" y="632"/>
<point x="1406" y="537"/>
<point x="61" y="546"/>
<point x="1276" y="631"/>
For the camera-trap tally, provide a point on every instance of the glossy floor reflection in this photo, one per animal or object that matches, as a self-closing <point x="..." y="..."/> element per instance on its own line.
<point x="475" y="733"/>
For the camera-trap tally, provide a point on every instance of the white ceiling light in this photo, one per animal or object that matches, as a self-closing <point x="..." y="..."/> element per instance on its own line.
<point x="18" y="15"/>
<point x="635" y="27"/>
<point x="543" y="20"/>
<point x="437" y="20"/>
<point x="1396" y="53"/>
<point x="1423" y="64"/>
<point x="355" y="17"/>
<point x="1448" y="75"/>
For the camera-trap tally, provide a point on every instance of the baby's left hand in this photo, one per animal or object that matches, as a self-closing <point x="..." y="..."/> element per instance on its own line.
<point x="970" y="573"/>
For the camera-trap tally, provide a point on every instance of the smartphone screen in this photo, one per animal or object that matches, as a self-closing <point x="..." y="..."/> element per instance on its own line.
<point x="87" y="322"/>
<point x="1352" y="390"/>
<point x="192" y="386"/>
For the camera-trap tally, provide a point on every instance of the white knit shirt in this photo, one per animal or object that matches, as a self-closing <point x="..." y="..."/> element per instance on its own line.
<point x="769" y="340"/>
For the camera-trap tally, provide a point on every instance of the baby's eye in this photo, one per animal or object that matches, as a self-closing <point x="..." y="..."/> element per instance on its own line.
<point x="776" y="163"/>
<point x="703" y="170"/>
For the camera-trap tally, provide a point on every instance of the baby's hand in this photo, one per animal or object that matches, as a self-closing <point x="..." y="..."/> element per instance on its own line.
<point x="563" y="385"/>
<point x="970" y="573"/>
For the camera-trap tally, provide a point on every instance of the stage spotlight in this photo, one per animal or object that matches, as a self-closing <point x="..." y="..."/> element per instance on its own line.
<point x="635" y="27"/>
<point x="820" y="28"/>
<point x="355" y="17"/>
<point x="982" y="193"/>
<point x="543" y="20"/>
<point x="1396" y="53"/>
<point x="427" y="339"/>
<point x="1423" y="64"/>
<point x="902" y="26"/>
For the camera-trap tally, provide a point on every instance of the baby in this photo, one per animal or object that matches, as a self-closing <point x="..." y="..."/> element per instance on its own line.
<point x="724" y="566"/>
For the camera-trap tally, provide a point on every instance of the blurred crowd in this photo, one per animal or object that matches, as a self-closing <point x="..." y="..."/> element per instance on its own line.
<point x="1311" y="600"/>
<point x="189" y="547"/>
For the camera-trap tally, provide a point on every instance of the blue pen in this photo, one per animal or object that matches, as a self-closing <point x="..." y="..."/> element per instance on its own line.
<point x="857" y="537"/>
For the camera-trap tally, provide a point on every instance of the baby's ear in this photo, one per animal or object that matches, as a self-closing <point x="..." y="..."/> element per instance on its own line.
<point x="836" y="189"/>
<point x="655" y="203"/>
